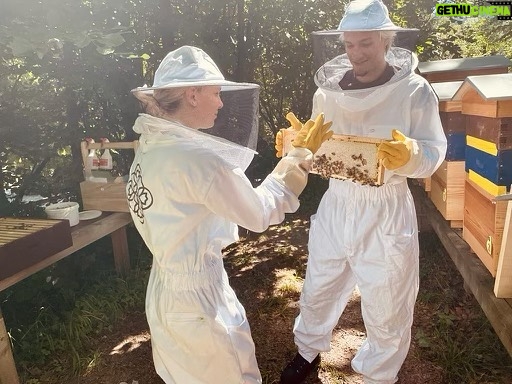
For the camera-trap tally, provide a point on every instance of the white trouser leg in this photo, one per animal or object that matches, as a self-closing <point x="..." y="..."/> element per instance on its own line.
<point x="366" y="236"/>
<point x="387" y="275"/>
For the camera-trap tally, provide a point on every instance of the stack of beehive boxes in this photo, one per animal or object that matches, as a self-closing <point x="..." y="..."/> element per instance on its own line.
<point x="447" y="183"/>
<point x="487" y="104"/>
<point x="446" y="188"/>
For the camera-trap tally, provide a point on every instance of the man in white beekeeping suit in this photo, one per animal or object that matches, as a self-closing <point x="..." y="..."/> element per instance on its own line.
<point x="187" y="192"/>
<point x="367" y="235"/>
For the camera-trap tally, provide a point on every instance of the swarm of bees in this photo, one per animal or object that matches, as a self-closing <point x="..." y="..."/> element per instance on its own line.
<point x="346" y="157"/>
<point x="327" y="167"/>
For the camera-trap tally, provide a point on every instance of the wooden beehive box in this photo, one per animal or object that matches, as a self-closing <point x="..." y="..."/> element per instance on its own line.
<point x="484" y="220"/>
<point x="447" y="191"/>
<point x="454" y="127"/>
<point x="108" y="195"/>
<point x="459" y="69"/>
<point x="486" y="95"/>
<point x="503" y="283"/>
<point x="493" y="130"/>
<point x="488" y="166"/>
<point x="445" y="92"/>
<point x="487" y="101"/>
<point x="454" y="122"/>
<point x="26" y="241"/>
<point x="345" y="157"/>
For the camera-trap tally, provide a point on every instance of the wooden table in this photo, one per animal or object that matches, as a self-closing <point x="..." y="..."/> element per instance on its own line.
<point x="83" y="234"/>
<point x="477" y="278"/>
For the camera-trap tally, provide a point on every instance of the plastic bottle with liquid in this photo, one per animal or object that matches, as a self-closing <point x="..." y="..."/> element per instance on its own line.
<point x="106" y="157"/>
<point x="93" y="162"/>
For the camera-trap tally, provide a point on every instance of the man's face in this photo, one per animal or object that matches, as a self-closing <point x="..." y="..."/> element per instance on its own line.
<point x="366" y="52"/>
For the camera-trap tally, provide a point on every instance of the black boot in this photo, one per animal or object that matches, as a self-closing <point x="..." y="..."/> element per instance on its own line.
<point x="298" y="369"/>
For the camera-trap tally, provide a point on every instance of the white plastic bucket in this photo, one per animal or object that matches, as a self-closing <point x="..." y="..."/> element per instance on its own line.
<point x="68" y="210"/>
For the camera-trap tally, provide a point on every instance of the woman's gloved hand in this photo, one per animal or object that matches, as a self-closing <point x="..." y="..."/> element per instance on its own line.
<point x="396" y="153"/>
<point x="313" y="134"/>
<point x="295" y="126"/>
<point x="293" y="169"/>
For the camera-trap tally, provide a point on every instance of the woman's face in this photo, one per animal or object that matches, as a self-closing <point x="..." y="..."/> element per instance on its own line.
<point x="208" y="105"/>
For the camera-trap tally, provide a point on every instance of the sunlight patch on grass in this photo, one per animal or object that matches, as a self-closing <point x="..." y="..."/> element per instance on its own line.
<point x="338" y="377"/>
<point x="287" y="282"/>
<point x="92" y="362"/>
<point x="130" y="343"/>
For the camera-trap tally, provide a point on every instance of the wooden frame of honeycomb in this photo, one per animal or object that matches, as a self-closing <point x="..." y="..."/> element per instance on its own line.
<point x="345" y="157"/>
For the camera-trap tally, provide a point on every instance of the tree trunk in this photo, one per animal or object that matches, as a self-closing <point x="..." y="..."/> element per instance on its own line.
<point x="241" y="54"/>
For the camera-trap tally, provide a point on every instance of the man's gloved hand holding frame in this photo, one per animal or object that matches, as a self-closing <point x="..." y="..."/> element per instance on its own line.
<point x="395" y="153"/>
<point x="310" y="135"/>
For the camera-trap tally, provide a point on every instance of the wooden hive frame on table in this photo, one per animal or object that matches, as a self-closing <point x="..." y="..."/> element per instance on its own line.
<point x="104" y="196"/>
<point x="25" y="241"/>
<point x="345" y="157"/>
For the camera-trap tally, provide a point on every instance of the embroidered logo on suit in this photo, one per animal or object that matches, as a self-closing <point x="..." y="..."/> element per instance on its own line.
<point x="139" y="197"/>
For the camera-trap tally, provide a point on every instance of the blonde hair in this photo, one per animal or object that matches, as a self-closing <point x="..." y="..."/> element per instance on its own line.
<point x="162" y="102"/>
<point x="387" y="36"/>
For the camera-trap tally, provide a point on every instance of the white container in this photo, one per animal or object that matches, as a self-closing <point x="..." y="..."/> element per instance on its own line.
<point x="68" y="210"/>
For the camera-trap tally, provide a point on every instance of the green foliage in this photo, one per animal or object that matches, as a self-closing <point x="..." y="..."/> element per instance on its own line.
<point x="68" y="67"/>
<point x="53" y="315"/>
<point x="483" y="37"/>
<point x="66" y="71"/>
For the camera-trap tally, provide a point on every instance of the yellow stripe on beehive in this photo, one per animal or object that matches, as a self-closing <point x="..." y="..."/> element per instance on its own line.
<point x="482" y="145"/>
<point x="486" y="185"/>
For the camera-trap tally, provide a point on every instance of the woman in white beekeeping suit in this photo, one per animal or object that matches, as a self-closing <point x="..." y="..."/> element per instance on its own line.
<point x="367" y="235"/>
<point x="187" y="192"/>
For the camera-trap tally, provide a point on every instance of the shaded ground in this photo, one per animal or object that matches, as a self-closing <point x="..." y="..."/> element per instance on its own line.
<point x="451" y="337"/>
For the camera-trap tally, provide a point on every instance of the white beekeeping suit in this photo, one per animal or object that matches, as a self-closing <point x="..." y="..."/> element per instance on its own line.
<point x="187" y="193"/>
<point x="367" y="235"/>
<point x="375" y="229"/>
<point x="186" y="218"/>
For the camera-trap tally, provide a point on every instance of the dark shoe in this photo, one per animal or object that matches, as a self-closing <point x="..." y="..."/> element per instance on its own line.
<point x="298" y="369"/>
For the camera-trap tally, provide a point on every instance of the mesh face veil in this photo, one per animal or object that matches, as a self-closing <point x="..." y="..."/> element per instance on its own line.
<point x="237" y="121"/>
<point x="360" y="16"/>
<point x="235" y="131"/>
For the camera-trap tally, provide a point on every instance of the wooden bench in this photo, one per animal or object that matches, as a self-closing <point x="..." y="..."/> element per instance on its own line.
<point x="83" y="234"/>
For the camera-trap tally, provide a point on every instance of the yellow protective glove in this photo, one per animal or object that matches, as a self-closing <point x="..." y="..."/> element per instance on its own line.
<point x="296" y="125"/>
<point x="313" y="134"/>
<point x="396" y="153"/>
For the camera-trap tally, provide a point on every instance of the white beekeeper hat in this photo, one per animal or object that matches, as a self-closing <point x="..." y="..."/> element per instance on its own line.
<point x="367" y="15"/>
<point x="189" y="66"/>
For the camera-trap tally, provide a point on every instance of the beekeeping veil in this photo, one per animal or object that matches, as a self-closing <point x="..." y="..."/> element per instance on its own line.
<point x="360" y="15"/>
<point x="234" y="135"/>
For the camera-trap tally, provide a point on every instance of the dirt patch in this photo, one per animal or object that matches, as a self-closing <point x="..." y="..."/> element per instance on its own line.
<point x="266" y="271"/>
